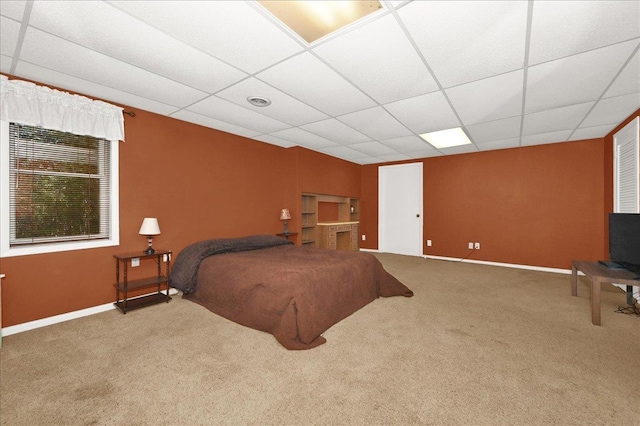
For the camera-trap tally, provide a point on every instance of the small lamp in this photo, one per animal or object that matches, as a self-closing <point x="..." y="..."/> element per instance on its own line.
<point x="149" y="228"/>
<point x="284" y="217"/>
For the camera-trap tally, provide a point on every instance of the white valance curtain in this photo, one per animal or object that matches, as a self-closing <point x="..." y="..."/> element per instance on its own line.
<point x="27" y="103"/>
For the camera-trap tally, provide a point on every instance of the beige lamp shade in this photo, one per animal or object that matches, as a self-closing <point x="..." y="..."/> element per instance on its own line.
<point x="285" y="215"/>
<point x="150" y="226"/>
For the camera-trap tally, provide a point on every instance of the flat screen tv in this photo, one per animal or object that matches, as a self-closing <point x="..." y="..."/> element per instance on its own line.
<point x="624" y="240"/>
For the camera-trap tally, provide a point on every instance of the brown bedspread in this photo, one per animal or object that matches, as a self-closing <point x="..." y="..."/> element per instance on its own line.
<point x="295" y="293"/>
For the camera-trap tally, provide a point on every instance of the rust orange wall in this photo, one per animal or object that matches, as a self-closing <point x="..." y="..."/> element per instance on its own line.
<point x="539" y="205"/>
<point x="200" y="183"/>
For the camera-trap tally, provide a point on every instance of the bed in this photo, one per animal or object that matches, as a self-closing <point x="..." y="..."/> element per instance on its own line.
<point x="265" y="282"/>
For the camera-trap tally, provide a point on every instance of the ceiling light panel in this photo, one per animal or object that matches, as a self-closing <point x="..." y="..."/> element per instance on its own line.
<point x="307" y="79"/>
<point x="313" y="20"/>
<point x="447" y="138"/>
<point x="69" y="58"/>
<point x="576" y="79"/>
<point x="563" y="28"/>
<point x="489" y="99"/>
<point x="434" y="112"/>
<point x="475" y="39"/>
<point x="383" y="53"/>
<point x="232" y="31"/>
<point x="121" y="35"/>
<point x="283" y="107"/>
<point x="376" y="123"/>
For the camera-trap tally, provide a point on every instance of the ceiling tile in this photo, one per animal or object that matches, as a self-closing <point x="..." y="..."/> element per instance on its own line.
<point x="304" y="138"/>
<point x="306" y="78"/>
<point x="56" y="54"/>
<point x="9" y="39"/>
<point x="343" y="152"/>
<point x="367" y="160"/>
<point x="336" y="131"/>
<point x="275" y="141"/>
<point x="628" y="81"/>
<point x="375" y="123"/>
<point x="495" y="130"/>
<point x="5" y="64"/>
<point x="544" y="138"/>
<point x="425" y="113"/>
<point x="499" y="144"/>
<point x="462" y="149"/>
<point x="13" y="9"/>
<point x="427" y="153"/>
<point x="565" y="118"/>
<point x="107" y="30"/>
<point x="407" y="144"/>
<point x="592" y="132"/>
<point x="465" y="41"/>
<point x="89" y="88"/>
<point x="384" y="53"/>
<point x="373" y="148"/>
<point x="612" y="110"/>
<point x="193" y="117"/>
<point x="283" y="107"/>
<point x="394" y="157"/>
<point x="229" y="112"/>
<point x="563" y="28"/>
<point x="232" y="31"/>
<point x="576" y="79"/>
<point x="489" y="99"/>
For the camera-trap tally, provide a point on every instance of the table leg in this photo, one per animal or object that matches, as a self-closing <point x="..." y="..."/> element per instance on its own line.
<point x="595" y="301"/>
<point x="574" y="281"/>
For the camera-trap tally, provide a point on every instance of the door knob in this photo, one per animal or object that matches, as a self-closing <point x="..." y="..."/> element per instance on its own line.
<point x="418" y="215"/>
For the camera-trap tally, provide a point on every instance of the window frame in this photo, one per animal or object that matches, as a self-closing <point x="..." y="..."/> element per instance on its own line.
<point x="40" y="248"/>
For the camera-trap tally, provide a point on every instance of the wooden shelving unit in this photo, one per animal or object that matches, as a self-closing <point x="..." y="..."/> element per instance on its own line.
<point x="313" y="232"/>
<point x="309" y="220"/>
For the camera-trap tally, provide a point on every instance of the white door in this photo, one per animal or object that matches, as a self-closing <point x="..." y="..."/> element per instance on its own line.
<point x="400" y="209"/>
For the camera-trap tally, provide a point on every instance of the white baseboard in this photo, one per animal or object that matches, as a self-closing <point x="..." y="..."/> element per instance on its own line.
<point x="485" y="262"/>
<point x="32" y="325"/>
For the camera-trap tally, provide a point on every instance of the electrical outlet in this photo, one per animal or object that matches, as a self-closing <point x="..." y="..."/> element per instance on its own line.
<point x="477" y="246"/>
<point x="364" y="237"/>
<point x="166" y="257"/>
<point x="470" y="246"/>
<point x="135" y="262"/>
<point x="428" y="243"/>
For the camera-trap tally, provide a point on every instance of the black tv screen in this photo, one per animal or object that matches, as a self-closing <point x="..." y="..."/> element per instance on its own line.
<point x="624" y="239"/>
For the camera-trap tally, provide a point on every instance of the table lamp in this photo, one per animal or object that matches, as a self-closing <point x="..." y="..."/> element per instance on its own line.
<point x="284" y="217"/>
<point x="149" y="228"/>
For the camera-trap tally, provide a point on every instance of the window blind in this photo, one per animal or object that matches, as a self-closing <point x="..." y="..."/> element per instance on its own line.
<point x="59" y="186"/>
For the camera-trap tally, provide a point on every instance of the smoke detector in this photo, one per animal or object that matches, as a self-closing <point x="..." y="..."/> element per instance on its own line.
<point x="258" y="101"/>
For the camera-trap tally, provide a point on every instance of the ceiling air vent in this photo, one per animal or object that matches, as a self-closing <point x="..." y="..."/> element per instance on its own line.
<point x="258" y="101"/>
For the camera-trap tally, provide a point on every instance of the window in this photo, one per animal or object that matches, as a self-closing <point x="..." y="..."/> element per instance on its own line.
<point x="59" y="190"/>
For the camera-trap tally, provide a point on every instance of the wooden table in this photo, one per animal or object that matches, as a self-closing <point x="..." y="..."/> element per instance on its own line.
<point x="599" y="274"/>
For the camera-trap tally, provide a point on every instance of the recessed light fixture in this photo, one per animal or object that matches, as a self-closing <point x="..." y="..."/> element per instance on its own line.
<point x="313" y="20"/>
<point x="447" y="138"/>
<point x="258" y="101"/>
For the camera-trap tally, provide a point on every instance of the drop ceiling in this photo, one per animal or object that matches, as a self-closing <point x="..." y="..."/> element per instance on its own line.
<point x="509" y="73"/>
